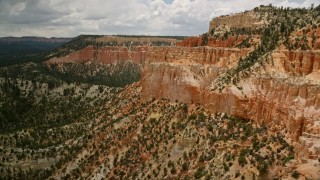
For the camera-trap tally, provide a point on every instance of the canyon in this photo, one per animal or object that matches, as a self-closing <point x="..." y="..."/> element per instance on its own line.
<point x="240" y="101"/>
<point x="281" y="91"/>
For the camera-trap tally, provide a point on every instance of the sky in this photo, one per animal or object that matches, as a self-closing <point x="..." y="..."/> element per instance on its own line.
<point x="70" y="18"/>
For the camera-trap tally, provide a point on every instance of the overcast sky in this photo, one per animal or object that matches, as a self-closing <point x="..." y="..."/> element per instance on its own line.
<point x="69" y="18"/>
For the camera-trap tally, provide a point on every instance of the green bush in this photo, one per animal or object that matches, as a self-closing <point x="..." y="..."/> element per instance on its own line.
<point x="295" y="174"/>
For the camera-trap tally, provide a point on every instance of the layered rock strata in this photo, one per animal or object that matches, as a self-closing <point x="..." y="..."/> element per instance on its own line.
<point x="282" y="91"/>
<point x="104" y="55"/>
<point x="248" y="19"/>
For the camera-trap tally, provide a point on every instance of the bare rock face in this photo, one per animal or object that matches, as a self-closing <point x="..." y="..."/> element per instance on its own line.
<point x="191" y="42"/>
<point x="104" y="55"/>
<point x="281" y="92"/>
<point x="317" y="44"/>
<point x="240" y="20"/>
<point x="302" y="63"/>
<point x="229" y="42"/>
<point x="184" y="73"/>
<point x="222" y="57"/>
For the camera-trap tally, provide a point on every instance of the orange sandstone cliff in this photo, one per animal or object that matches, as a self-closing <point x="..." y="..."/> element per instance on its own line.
<point x="283" y="91"/>
<point x="104" y="55"/>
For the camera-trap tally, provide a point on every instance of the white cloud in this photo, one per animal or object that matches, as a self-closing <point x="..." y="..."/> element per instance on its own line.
<point x="153" y="17"/>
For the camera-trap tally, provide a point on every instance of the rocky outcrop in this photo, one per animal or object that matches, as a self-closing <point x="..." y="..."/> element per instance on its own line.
<point x="191" y="42"/>
<point x="229" y="42"/>
<point x="111" y="55"/>
<point x="104" y="55"/>
<point x="281" y="92"/>
<point x="248" y="19"/>
<point x="222" y="57"/>
<point x="183" y="73"/>
<point x="317" y="45"/>
<point x="301" y="63"/>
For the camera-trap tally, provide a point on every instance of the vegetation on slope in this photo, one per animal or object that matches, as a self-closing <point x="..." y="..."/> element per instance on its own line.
<point x="282" y="23"/>
<point x="97" y="41"/>
<point x="37" y="122"/>
<point x="24" y="51"/>
<point x="57" y="124"/>
<point x="105" y="132"/>
<point x="114" y="75"/>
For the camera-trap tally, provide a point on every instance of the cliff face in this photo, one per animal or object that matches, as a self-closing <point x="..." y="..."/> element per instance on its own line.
<point x="104" y="55"/>
<point x="282" y="91"/>
<point x="240" y="20"/>
<point x="108" y="65"/>
<point x="301" y="63"/>
<point x="229" y="42"/>
<point x="183" y="73"/>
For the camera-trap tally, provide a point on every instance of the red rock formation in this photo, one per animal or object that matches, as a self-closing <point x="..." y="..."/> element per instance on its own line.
<point x="191" y="42"/>
<point x="231" y="41"/>
<point x="204" y="55"/>
<point x="274" y="94"/>
<point x="283" y="92"/>
<point x="105" y="55"/>
<point x="317" y="44"/>
<point x="299" y="63"/>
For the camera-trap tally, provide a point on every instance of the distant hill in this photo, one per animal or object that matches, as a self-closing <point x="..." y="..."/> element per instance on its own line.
<point x="15" y="50"/>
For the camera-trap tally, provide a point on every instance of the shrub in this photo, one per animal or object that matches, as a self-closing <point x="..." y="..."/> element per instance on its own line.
<point x="295" y="174"/>
<point x="185" y="166"/>
<point x="287" y="159"/>
<point x="242" y="160"/>
<point x="173" y="170"/>
<point x="185" y="108"/>
<point x="263" y="168"/>
<point x="237" y="174"/>
<point x="200" y="172"/>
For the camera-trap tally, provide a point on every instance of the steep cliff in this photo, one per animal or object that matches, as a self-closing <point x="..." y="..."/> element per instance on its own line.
<point x="249" y="65"/>
<point x="103" y="55"/>
<point x="281" y="91"/>
<point x="109" y="65"/>
<point x="229" y="42"/>
<point x="240" y="20"/>
<point x="248" y="19"/>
